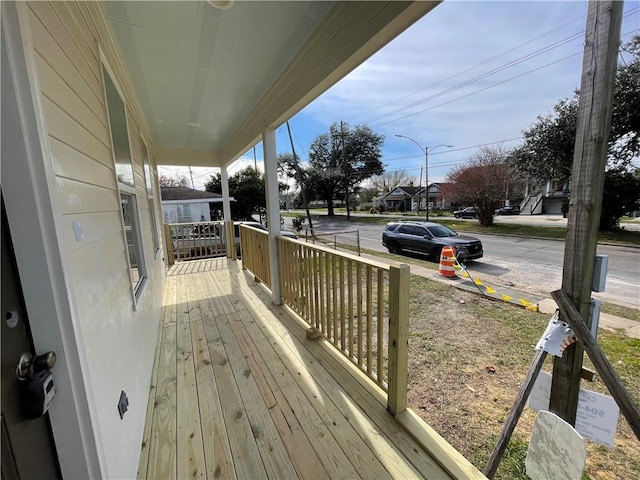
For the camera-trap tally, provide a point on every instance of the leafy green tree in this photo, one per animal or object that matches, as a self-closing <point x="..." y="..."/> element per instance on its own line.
<point x="483" y="182"/>
<point x="246" y="187"/>
<point x="341" y="159"/>
<point x="547" y="152"/>
<point x="622" y="195"/>
<point x="548" y="149"/>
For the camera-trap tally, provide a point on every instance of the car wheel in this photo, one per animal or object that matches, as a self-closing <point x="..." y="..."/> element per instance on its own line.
<point x="457" y="216"/>
<point x="393" y="247"/>
<point x="435" y="254"/>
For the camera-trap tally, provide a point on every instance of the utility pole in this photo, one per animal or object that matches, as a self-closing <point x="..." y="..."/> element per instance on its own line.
<point x="418" y="202"/>
<point x="303" y="191"/>
<point x="191" y="174"/>
<point x="255" y="161"/>
<point x="426" y="180"/>
<point x="604" y="18"/>
<point x="342" y="135"/>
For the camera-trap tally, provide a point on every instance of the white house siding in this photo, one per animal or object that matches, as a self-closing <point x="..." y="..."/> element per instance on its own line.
<point x="119" y="338"/>
<point x="197" y="212"/>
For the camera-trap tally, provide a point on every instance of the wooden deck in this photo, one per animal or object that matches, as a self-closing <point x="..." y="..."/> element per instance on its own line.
<point x="238" y="391"/>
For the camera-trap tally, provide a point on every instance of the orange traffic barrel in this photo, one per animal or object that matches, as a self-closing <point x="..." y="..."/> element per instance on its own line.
<point x="447" y="259"/>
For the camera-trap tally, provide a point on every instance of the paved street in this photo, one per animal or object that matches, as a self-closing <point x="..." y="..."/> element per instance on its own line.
<point x="530" y="264"/>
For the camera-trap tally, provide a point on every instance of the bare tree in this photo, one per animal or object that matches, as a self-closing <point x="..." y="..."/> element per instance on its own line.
<point x="483" y="182"/>
<point x="177" y="181"/>
<point x="391" y="179"/>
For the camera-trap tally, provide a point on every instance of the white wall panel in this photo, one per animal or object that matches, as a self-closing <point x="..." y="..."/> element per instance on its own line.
<point x="70" y="163"/>
<point x="69" y="131"/>
<point x="49" y="49"/>
<point x="78" y="197"/>
<point x="80" y="33"/>
<point x="60" y="93"/>
<point x="119" y="337"/>
<point x="51" y="22"/>
<point x="94" y="226"/>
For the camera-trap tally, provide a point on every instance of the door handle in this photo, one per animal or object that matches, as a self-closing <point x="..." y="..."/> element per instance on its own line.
<point x="28" y="364"/>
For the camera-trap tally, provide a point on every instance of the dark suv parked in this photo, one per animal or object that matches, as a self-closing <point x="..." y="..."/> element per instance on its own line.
<point x="429" y="238"/>
<point x="469" y="212"/>
<point x="510" y="210"/>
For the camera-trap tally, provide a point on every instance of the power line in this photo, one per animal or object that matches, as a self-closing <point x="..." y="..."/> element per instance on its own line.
<point x="478" y="77"/>
<point x="444" y="152"/>
<point x="471" y="68"/>
<point x="490" y="86"/>
<point x="478" y="91"/>
<point x="534" y="54"/>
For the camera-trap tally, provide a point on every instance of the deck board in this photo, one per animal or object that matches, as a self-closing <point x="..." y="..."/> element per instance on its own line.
<point x="238" y="391"/>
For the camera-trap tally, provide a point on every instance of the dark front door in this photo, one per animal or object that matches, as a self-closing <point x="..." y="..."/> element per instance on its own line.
<point x="28" y="450"/>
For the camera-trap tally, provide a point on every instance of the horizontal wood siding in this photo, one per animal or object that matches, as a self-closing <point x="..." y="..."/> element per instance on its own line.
<point x="118" y="336"/>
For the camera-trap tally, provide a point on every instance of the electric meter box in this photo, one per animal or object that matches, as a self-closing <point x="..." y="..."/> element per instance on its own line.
<point x="599" y="273"/>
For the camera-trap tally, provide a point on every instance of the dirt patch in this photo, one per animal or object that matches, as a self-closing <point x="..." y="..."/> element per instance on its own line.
<point x="467" y="357"/>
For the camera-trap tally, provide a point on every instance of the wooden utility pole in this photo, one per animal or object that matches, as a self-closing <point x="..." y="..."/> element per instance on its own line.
<point x="604" y="18"/>
<point x="303" y="191"/>
<point x="342" y="135"/>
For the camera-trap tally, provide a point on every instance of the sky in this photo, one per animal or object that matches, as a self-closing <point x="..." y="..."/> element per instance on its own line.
<point x="468" y="73"/>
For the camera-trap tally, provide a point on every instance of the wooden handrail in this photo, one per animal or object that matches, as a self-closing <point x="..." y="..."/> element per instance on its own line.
<point x="254" y="246"/>
<point x="398" y="337"/>
<point x="360" y="306"/>
<point x="194" y="240"/>
<point x="168" y="244"/>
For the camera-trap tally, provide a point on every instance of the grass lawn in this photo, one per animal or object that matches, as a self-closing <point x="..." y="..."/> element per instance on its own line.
<point x="455" y="335"/>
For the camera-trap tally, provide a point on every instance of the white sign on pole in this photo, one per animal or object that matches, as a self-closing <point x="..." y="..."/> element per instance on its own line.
<point x="597" y="415"/>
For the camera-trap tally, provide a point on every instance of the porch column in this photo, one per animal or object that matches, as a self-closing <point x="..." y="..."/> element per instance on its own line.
<point x="226" y="212"/>
<point x="273" y="207"/>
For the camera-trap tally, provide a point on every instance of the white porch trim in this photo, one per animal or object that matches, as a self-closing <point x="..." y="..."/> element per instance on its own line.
<point x="32" y="211"/>
<point x="273" y="207"/>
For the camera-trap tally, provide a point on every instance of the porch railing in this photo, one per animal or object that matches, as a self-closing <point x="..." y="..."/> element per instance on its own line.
<point x="195" y="240"/>
<point x="254" y="245"/>
<point x="358" y="305"/>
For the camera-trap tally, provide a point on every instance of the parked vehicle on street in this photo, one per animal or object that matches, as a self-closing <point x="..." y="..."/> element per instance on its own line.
<point x="509" y="210"/>
<point x="469" y="212"/>
<point x="217" y="230"/>
<point x="429" y="238"/>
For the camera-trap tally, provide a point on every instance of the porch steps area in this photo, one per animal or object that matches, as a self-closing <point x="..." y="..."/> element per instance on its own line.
<point x="238" y="391"/>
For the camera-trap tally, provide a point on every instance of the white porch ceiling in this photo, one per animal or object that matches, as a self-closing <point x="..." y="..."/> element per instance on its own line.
<point x="210" y="80"/>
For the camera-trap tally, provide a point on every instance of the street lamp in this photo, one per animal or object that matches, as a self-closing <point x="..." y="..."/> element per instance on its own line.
<point x="426" y="170"/>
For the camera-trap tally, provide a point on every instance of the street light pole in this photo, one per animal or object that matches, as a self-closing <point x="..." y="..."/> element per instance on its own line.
<point x="426" y="169"/>
<point x="426" y="181"/>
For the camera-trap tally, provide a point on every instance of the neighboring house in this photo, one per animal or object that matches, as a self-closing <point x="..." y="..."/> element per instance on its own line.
<point x="544" y="198"/>
<point x="404" y="196"/>
<point x="95" y="95"/>
<point x="437" y="198"/>
<point x="184" y="205"/>
<point x="409" y="195"/>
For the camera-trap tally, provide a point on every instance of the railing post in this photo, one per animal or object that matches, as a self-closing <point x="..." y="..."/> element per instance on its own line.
<point x="168" y="241"/>
<point x="230" y="240"/>
<point x="358" y="240"/>
<point x="398" y="337"/>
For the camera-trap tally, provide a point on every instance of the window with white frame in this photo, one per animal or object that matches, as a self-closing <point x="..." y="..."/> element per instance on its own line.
<point x="149" y="178"/>
<point x="122" y="158"/>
